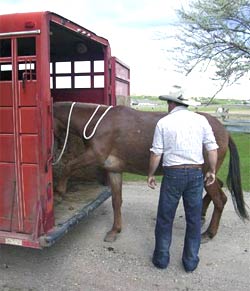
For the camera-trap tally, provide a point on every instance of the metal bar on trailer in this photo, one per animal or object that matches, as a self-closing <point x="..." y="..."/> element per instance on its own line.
<point x="60" y="230"/>
<point x="7" y="34"/>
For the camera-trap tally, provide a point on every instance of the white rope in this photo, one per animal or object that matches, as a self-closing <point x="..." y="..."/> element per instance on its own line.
<point x="67" y="135"/>
<point x="92" y="116"/>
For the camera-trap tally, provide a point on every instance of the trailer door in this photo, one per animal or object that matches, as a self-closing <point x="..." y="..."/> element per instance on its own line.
<point x="120" y="80"/>
<point x="19" y="138"/>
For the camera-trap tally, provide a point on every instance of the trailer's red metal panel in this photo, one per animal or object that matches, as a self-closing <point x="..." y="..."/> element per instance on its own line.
<point x="120" y="82"/>
<point x="29" y="120"/>
<point x="5" y="95"/>
<point x="20" y="21"/>
<point x="29" y="96"/>
<point x="6" y="120"/>
<point x="29" y="146"/>
<point x="7" y="189"/>
<point x="84" y="95"/>
<point x="7" y="148"/>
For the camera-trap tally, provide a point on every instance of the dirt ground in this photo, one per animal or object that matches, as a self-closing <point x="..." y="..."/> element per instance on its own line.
<point x="83" y="261"/>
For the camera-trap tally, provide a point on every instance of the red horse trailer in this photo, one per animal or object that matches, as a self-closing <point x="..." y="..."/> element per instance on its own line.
<point x="46" y="58"/>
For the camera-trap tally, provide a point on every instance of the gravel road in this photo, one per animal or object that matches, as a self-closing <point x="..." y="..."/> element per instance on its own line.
<point x="83" y="261"/>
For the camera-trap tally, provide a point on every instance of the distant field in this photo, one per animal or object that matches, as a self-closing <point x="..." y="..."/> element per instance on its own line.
<point x="234" y="110"/>
<point x="150" y="103"/>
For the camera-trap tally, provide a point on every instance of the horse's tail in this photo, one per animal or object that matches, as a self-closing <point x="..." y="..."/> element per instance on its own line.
<point x="234" y="181"/>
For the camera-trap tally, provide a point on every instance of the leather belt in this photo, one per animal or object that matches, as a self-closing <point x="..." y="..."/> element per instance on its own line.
<point x="191" y="166"/>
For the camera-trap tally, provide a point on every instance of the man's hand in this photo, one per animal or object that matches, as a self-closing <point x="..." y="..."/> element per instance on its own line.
<point x="209" y="178"/>
<point x="212" y="161"/>
<point x="151" y="182"/>
<point x="153" y="164"/>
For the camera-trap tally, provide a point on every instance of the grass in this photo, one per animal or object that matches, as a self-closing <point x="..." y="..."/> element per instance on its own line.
<point x="242" y="141"/>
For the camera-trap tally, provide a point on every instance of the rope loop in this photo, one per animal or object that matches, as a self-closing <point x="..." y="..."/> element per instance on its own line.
<point x="92" y="116"/>
<point x="84" y="130"/>
<point x="67" y="135"/>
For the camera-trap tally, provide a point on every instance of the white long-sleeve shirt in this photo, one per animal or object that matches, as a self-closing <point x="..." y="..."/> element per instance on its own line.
<point x="180" y="137"/>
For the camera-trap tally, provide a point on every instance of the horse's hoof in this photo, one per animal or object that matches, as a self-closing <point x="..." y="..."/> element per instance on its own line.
<point x="110" y="236"/>
<point x="205" y="238"/>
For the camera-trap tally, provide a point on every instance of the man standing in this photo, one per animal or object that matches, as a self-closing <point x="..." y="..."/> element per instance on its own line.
<point x="180" y="137"/>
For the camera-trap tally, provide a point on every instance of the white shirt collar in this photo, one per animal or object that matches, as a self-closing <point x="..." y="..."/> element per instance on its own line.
<point x="178" y="108"/>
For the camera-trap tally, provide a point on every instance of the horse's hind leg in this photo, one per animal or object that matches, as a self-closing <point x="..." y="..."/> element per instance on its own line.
<point x="205" y="203"/>
<point x="219" y="199"/>
<point x="116" y="188"/>
<point x="60" y="188"/>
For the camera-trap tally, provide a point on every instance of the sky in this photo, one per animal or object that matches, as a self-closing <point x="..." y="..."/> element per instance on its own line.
<point x="135" y="30"/>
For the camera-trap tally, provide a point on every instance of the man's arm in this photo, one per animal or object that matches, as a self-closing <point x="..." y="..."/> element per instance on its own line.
<point x="153" y="165"/>
<point x="212" y="161"/>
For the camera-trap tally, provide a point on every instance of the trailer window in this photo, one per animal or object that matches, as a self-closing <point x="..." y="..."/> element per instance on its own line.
<point x="99" y="66"/>
<point x="6" y="72"/>
<point x="26" y="46"/>
<point x="62" y="73"/>
<point x="82" y="67"/>
<point x="99" y="81"/>
<point x="63" y="82"/>
<point x="99" y="69"/>
<point x="82" y="82"/>
<point x="77" y="75"/>
<point x="5" y="48"/>
<point x="63" y="67"/>
<point x="27" y="70"/>
<point x="82" y="71"/>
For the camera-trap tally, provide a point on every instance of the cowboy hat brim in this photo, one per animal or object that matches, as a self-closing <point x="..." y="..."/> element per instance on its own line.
<point x="179" y="99"/>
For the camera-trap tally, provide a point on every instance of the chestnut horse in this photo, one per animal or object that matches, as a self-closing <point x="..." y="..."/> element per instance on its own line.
<point x="121" y="143"/>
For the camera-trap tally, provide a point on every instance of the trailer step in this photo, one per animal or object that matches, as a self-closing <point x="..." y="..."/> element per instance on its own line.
<point x="64" y="226"/>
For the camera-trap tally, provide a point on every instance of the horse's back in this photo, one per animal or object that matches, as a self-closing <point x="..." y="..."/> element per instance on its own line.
<point x="220" y="132"/>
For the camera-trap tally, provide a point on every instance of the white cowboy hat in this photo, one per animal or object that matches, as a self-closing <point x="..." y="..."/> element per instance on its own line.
<point x="176" y="95"/>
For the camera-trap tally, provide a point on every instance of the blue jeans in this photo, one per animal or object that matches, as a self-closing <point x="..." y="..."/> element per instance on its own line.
<point x="187" y="183"/>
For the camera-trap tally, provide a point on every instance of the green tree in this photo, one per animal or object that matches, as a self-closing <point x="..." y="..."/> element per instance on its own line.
<point x="215" y="33"/>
